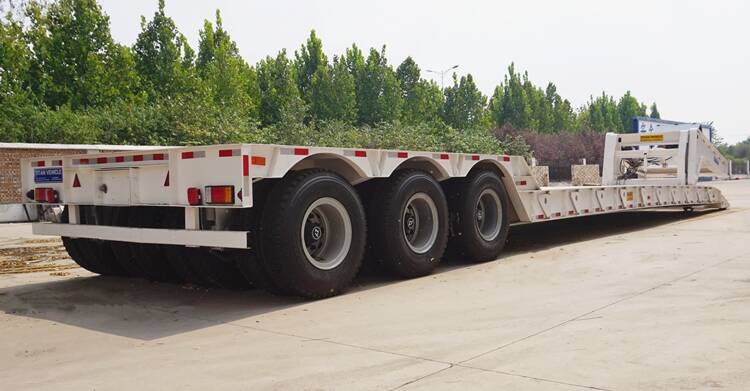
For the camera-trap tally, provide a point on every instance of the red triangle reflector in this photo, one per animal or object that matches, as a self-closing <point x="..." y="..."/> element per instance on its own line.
<point x="166" y="181"/>
<point x="76" y="182"/>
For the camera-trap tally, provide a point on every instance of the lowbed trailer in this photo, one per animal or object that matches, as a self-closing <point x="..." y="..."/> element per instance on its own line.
<point x="302" y="220"/>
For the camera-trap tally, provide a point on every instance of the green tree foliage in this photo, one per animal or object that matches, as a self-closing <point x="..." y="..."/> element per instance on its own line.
<point x="422" y="99"/>
<point x="378" y="90"/>
<point x="279" y="96"/>
<point x="654" y="112"/>
<point x="309" y="60"/>
<point x="332" y="93"/>
<point x="75" y="60"/>
<point x="164" y="60"/>
<point x="601" y="114"/>
<point x="229" y="81"/>
<point x="64" y="79"/>
<point x="628" y="107"/>
<point x="464" y="103"/>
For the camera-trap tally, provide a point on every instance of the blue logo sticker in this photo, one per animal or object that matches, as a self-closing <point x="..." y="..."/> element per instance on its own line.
<point x="48" y="175"/>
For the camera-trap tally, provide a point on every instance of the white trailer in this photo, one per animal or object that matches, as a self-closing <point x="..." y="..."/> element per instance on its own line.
<point x="302" y="220"/>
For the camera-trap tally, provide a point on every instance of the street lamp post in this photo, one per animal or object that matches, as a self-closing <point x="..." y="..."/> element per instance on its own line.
<point x="442" y="74"/>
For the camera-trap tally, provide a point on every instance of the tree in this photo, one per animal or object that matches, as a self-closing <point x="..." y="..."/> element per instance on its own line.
<point x="464" y="103"/>
<point x="654" y="112"/>
<point x="628" y="108"/>
<point x="15" y="58"/>
<point x="422" y="100"/>
<point x="333" y="93"/>
<point x="510" y="103"/>
<point x="75" y="59"/>
<point x="164" y="59"/>
<point x="225" y="74"/>
<point x="278" y="90"/>
<point x="378" y="91"/>
<point x="309" y="60"/>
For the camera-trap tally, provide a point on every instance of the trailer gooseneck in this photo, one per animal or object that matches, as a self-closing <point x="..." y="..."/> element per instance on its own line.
<point x="301" y="220"/>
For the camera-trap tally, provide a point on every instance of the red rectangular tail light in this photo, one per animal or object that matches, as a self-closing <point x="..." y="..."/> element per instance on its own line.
<point x="45" y="194"/>
<point x="219" y="195"/>
<point x="194" y="196"/>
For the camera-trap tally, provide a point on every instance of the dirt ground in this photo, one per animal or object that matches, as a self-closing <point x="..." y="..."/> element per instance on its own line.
<point x="646" y="300"/>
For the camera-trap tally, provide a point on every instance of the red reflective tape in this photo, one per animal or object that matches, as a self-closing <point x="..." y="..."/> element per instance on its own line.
<point x="585" y="211"/>
<point x="474" y="157"/>
<point x="225" y="153"/>
<point x="301" y="151"/>
<point x="360" y="153"/>
<point x="572" y="212"/>
<point x="84" y="161"/>
<point x="188" y="155"/>
<point x="158" y="156"/>
<point x="246" y="165"/>
<point x="444" y="156"/>
<point x="558" y="214"/>
<point x="599" y="209"/>
<point x="101" y="160"/>
<point x="57" y="162"/>
<point x="119" y="159"/>
<point x="137" y="158"/>
<point x="402" y="155"/>
<point x="521" y="183"/>
<point x="506" y="158"/>
<point x="540" y="216"/>
<point x="40" y="163"/>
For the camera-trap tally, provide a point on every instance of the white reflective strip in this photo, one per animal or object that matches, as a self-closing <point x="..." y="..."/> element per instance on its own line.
<point x="286" y="151"/>
<point x="227" y="239"/>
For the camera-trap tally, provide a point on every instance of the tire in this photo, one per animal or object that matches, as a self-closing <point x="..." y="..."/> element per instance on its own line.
<point x="151" y="259"/>
<point x="409" y="224"/>
<point x="123" y="251"/>
<point x="313" y="234"/>
<point x="480" y="211"/>
<point x="97" y="254"/>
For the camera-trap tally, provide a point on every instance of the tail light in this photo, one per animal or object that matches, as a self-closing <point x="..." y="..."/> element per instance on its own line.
<point x="194" y="196"/>
<point x="220" y="195"/>
<point x="45" y="194"/>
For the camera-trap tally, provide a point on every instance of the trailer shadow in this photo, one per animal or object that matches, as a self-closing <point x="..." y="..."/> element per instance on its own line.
<point x="146" y="310"/>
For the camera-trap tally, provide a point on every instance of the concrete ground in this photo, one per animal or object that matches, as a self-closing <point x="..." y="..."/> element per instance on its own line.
<point x="648" y="300"/>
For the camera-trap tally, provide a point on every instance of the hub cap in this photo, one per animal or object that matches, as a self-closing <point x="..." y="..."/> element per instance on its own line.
<point x="326" y="233"/>
<point x="488" y="215"/>
<point x="420" y="223"/>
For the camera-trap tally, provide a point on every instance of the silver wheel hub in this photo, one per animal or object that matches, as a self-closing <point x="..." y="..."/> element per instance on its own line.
<point x="326" y="233"/>
<point x="489" y="215"/>
<point x="420" y="223"/>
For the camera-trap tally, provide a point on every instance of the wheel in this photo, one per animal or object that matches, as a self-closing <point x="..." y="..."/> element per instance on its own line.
<point x="312" y="234"/>
<point x="409" y="226"/>
<point x="97" y="254"/>
<point x="151" y="259"/>
<point x="123" y="251"/>
<point x="479" y="209"/>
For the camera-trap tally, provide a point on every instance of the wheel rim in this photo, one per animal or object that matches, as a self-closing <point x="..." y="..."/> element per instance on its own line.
<point x="420" y="223"/>
<point x="488" y="215"/>
<point x="326" y="233"/>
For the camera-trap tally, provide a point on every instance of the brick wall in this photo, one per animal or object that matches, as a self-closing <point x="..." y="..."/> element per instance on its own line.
<point x="10" y="169"/>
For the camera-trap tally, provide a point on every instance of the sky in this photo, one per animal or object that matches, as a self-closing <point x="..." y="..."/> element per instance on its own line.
<point x="690" y="57"/>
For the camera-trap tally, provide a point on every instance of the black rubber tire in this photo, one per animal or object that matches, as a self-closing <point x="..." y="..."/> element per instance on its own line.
<point x="282" y="246"/>
<point x="151" y="259"/>
<point x="387" y="229"/>
<point x="72" y="247"/>
<point x="216" y="268"/>
<point x="97" y="254"/>
<point x="466" y="241"/>
<point x="123" y="251"/>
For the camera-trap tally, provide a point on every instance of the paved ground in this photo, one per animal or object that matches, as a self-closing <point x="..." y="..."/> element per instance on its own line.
<point x="644" y="301"/>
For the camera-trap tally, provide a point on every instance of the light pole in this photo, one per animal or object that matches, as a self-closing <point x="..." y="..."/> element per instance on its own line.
<point x="442" y="74"/>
